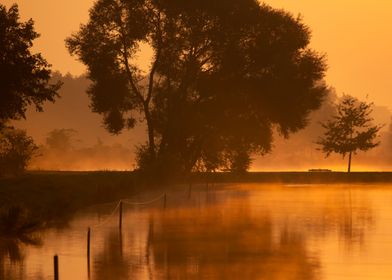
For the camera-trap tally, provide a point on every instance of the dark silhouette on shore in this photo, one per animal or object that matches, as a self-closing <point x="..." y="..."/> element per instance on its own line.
<point x="24" y="80"/>
<point x="350" y="130"/>
<point x="222" y="76"/>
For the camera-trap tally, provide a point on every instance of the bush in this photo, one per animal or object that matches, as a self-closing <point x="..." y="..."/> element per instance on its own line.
<point x="16" y="151"/>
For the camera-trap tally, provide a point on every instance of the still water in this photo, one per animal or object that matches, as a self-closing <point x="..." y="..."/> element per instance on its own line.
<point x="235" y="231"/>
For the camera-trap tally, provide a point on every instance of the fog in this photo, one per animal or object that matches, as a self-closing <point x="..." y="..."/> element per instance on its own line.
<point x="91" y="147"/>
<point x="300" y="152"/>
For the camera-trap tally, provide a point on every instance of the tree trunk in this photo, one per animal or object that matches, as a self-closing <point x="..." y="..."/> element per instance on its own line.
<point x="150" y="129"/>
<point x="349" y="163"/>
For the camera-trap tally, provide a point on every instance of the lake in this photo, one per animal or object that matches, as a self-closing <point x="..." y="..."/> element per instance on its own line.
<point x="221" y="231"/>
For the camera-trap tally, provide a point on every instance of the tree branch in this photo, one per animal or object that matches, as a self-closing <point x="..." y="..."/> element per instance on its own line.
<point x="124" y="53"/>
<point x="157" y="57"/>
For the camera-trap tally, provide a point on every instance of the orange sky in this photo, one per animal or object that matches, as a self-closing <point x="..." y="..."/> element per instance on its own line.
<point x="355" y="35"/>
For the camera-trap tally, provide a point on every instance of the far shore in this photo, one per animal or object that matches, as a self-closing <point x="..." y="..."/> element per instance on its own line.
<point x="300" y="177"/>
<point x="54" y="196"/>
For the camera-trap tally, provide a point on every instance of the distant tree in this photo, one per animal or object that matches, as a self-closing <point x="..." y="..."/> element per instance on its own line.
<point x="350" y="130"/>
<point x="24" y="76"/>
<point x="223" y="72"/>
<point x="16" y="151"/>
<point x="61" y="139"/>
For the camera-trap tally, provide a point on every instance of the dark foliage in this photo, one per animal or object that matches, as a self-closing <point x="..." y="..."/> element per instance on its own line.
<point x="223" y="76"/>
<point x="24" y="76"/>
<point x="16" y="151"/>
<point x="61" y="139"/>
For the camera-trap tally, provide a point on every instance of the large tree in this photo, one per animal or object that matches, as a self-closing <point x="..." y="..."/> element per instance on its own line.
<point x="224" y="74"/>
<point x="350" y="130"/>
<point x="24" y="76"/>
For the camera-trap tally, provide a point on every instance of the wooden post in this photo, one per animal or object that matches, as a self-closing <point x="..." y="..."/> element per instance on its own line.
<point x="120" y="215"/>
<point x="164" y="201"/>
<point x="56" y="267"/>
<point x="120" y="240"/>
<point x="88" y="243"/>
<point x="88" y="252"/>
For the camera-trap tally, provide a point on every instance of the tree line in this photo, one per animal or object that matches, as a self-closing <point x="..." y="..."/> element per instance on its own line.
<point x="224" y="75"/>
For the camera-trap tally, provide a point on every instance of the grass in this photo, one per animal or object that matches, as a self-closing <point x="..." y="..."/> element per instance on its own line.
<point x="53" y="197"/>
<point x="302" y="177"/>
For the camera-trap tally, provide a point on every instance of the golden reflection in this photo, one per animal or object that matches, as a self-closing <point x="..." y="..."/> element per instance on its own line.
<point x="226" y="242"/>
<point x="111" y="263"/>
<point x="249" y="231"/>
<point x="12" y="256"/>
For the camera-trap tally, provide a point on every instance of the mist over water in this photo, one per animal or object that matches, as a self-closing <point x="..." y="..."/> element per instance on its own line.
<point x="255" y="231"/>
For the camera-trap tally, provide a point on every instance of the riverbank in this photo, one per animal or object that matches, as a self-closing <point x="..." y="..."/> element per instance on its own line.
<point x="300" y="177"/>
<point x="55" y="196"/>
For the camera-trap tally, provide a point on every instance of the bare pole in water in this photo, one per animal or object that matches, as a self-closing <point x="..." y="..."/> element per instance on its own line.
<point x="120" y="216"/>
<point x="56" y="267"/>
<point x="88" y="252"/>
<point x="164" y="201"/>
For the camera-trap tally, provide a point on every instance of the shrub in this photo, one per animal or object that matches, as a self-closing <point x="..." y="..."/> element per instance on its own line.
<point x="16" y="151"/>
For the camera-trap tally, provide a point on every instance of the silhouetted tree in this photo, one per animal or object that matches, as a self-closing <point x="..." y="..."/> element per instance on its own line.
<point x="61" y="139"/>
<point x="24" y="77"/>
<point x="239" y="161"/>
<point x="223" y="72"/>
<point x="351" y="129"/>
<point x="16" y="151"/>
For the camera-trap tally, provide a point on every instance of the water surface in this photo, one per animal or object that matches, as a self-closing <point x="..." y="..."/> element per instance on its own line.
<point x="234" y="231"/>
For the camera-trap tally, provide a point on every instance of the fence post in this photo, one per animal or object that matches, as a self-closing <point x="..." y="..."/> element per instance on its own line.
<point x="88" y="251"/>
<point x="88" y="243"/>
<point x="120" y="216"/>
<point x="56" y="267"/>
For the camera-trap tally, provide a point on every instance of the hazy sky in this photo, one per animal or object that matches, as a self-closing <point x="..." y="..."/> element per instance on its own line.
<point x="355" y="36"/>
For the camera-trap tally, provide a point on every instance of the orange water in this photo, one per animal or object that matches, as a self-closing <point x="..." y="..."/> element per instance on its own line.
<point x="246" y="231"/>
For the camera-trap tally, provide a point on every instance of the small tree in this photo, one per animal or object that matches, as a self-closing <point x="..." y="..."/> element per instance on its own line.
<point x="350" y="130"/>
<point x="16" y="151"/>
<point x="61" y="139"/>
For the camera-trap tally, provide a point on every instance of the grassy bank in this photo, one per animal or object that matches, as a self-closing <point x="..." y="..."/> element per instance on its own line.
<point x="55" y="196"/>
<point x="300" y="177"/>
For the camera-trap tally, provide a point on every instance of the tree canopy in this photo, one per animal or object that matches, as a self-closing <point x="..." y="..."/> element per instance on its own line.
<point x="24" y="76"/>
<point x="224" y="74"/>
<point x="350" y="130"/>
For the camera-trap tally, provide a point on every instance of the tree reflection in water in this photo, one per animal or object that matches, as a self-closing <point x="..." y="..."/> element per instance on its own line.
<point x="111" y="262"/>
<point x="227" y="244"/>
<point x="231" y="237"/>
<point x="277" y="234"/>
<point x="17" y="229"/>
<point x="12" y="255"/>
<point x="344" y="212"/>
